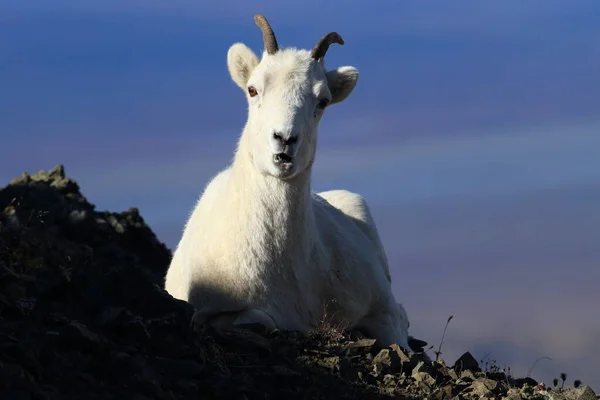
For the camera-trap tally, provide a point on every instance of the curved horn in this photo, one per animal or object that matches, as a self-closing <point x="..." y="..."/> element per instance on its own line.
<point x="268" y="35"/>
<point x="323" y="44"/>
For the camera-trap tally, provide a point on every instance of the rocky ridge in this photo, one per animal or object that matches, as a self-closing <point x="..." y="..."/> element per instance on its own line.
<point x="83" y="315"/>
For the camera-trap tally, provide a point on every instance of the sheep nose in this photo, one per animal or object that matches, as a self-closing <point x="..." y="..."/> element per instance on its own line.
<point x="286" y="142"/>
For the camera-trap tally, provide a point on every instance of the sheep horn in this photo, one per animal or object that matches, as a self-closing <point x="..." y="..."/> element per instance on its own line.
<point x="323" y="44"/>
<point x="268" y="35"/>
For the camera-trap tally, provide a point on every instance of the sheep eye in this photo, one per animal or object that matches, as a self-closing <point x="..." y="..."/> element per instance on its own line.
<point x="252" y="91"/>
<point x="323" y="103"/>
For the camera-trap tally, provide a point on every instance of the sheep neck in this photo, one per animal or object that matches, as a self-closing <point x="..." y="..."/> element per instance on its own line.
<point x="275" y="217"/>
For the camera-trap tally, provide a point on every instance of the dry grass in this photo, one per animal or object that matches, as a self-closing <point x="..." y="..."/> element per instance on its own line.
<point x="330" y="329"/>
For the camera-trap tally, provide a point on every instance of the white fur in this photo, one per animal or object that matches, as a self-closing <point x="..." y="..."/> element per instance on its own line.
<point x="260" y="246"/>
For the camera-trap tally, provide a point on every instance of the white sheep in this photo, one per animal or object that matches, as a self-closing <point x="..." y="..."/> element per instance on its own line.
<point x="260" y="246"/>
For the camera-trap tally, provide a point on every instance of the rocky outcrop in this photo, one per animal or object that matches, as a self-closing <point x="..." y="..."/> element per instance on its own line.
<point x="83" y="314"/>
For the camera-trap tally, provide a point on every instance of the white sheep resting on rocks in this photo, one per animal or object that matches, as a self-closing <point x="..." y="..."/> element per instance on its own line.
<point x="260" y="246"/>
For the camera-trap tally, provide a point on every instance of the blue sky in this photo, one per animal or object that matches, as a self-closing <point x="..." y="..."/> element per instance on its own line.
<point x="474" y="132"/>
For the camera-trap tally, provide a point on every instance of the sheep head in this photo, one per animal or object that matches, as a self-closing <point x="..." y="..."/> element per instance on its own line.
<point x="288" y="90"/>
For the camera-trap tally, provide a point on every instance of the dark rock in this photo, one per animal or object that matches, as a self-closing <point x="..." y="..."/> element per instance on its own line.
<point x="49" y="281"/>
<point x="53" y="318"/>
<point x="283" y="371"/>
<point x="466" y="362"/>
<point x="79" y="335"/>
<point x="180" y="368"/>
<point x="527" y="381"/>
<point x="13" y="352"/>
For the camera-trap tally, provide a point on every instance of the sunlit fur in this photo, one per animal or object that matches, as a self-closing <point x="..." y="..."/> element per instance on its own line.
<point x="260" y="246"/>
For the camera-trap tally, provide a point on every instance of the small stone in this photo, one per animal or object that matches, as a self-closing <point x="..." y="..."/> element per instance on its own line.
<point x="424" y="378"/>
<point x="41" y="175"/>
<point x="388" y="358"/>
<point x="444" y="393"/>
<point x="404" y="357"/>
<point x="389" y="380"/>
<point x="468" y="375"/>
<point x="466" y="362"/>
<point x="424" y="367"/>
<point x="489" y="383"/>
<point x="362" y="343"/>
<point x="23" y="179"/>
<point x="58" y="171"/>
<point x="331" y="363"/>
<point x="452" y="373"/>
<point x="556" y="396"/>
<point x="11" y="220"/>
<point x="76" y="216"/>
<point x="514" y="394"/>
<point x="419" y="367"/>
<point x="483" y="387"/>
<point x="136" y="328"/>
<point x="82" y="334"/>
<point x="116" y="224"/>
<point x="587" y="394"/>
<point x="377" y="370"/>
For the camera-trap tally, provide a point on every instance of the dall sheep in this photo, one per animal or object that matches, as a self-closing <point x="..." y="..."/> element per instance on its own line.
<point x="260" y="246"/>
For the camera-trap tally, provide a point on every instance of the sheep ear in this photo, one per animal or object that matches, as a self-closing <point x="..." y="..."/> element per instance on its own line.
<point x="341" y="82"/>
<point x="241" y="61"/>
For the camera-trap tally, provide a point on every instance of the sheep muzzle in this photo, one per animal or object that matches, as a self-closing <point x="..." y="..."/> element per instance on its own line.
<point x="283" y="160"/>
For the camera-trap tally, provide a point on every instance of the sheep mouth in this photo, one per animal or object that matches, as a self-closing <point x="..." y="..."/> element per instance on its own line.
<point x="283" y="160"/>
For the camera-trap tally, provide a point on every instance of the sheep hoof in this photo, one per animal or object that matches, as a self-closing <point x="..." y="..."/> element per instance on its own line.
<point x="198" y="321"/>
<point x="255" y="317"/>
